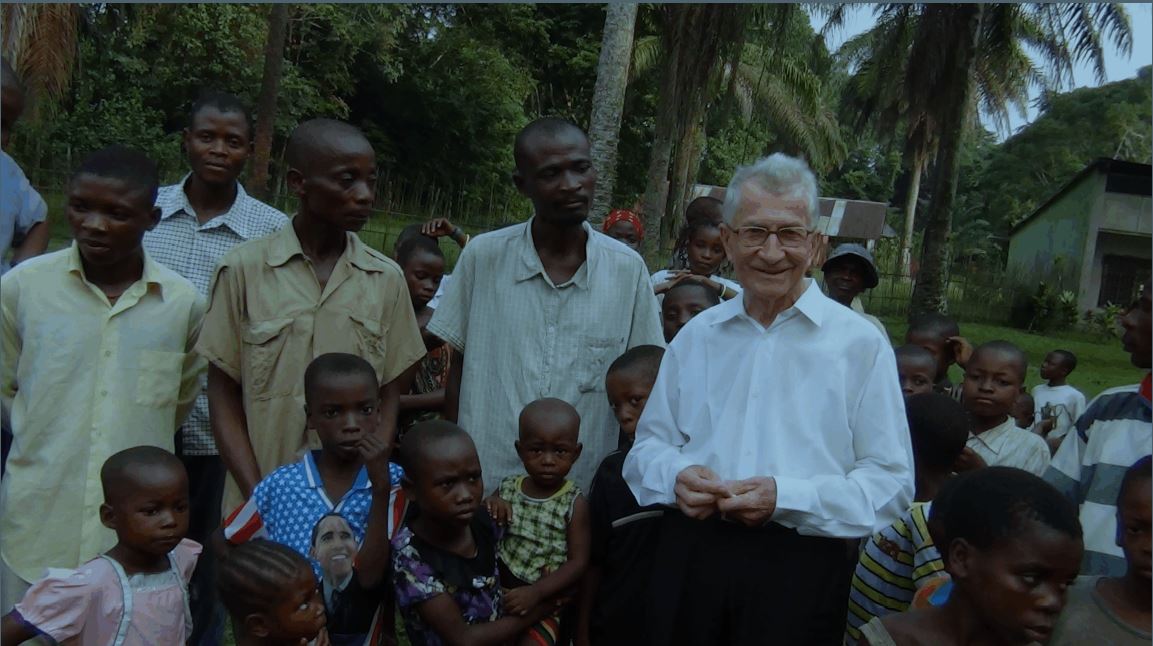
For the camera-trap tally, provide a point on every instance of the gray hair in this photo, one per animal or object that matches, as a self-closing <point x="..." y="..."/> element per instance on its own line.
<point x="779" y="175"/>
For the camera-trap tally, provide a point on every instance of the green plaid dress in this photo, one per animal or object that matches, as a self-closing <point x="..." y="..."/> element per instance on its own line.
<point x="536" y="541"/>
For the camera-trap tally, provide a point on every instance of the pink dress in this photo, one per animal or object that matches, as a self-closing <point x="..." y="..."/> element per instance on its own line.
<point x="97" y="604"/>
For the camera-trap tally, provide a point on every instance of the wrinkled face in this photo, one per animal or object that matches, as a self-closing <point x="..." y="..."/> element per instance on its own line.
<point x="845" y="279"/>
<point x="1136" y="323"/>
<point x="769" y="271"/>
<point x="11" y="107"/>
<point x="343" y="409"/>
<point x="1018" y="585"/>
<point x="937" y="346"/>
<point x="705" y="252"/>
<point x="992" y="383"/>
<point x="627" y="396"/>
<point x="150" y="516"/>
<point x="624" y="232"/>
<point x="218" y="145"/>
<point x="335" y="547"/>
<point x="108" y="218"/>
<point x="557" y="174"/>
<point x="680" y="306"/>
<point x="916" y="375"/>
<point x="300" y="615"/>
<point x="1134" y="520"/>
<point x="337" y="185"/>
<point x="446" y="484"/>
<point x="549" y="448"/>
<point x="423" y="271"/>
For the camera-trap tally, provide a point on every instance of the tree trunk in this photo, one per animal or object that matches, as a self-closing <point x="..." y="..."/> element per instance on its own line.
<point x="266" y="105"/>
<point x="609" y="101"/>
<point x="930" y="292"/>
<point x="911" y="215"/>
<point x="656" y="179"/>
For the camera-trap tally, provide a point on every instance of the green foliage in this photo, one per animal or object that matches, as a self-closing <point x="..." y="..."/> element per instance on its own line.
<point x="1046" y="309"/>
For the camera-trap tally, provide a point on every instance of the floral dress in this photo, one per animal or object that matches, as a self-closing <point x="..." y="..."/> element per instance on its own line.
<point x="423" y="571"/>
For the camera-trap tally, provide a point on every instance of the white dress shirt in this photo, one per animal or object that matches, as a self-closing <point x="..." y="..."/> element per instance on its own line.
<point x="813" y="401"/>
<point x="1009" y="446"/>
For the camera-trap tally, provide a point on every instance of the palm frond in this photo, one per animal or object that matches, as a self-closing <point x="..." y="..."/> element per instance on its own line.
<point x="40" y="40"/>
<point x="647" y="53"/>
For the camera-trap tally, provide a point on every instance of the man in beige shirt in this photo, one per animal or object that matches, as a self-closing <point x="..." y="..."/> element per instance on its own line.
<point x="312" y="288"/>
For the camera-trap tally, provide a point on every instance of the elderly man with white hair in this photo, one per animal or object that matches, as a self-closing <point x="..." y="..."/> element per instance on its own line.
<point x="777" y="427"/>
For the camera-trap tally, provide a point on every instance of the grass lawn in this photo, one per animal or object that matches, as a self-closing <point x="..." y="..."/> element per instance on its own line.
<point x="1101" y="363"/>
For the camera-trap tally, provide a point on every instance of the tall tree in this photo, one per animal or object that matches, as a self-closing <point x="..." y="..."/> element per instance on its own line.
<point x="266" y="104"/>
<point x="609" y="100"/>
<point x="40" y="40"/>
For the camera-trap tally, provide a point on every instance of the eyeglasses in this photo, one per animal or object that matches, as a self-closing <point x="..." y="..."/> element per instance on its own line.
<point x="788" y="237"/>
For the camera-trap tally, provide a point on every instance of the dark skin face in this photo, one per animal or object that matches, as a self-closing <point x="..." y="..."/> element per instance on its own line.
<point x="627" y="394"/>
<point x="916" y="375"/>
<point x="624" y="232"/>
<point x="447" y="484"/>
<point x="937" y="346"/>
<point x="337" y="183"/>
<point x="1017" y="586"/>
<point x="297" y="618"/>
<point x="1136" y="339"/>
<point x="218" y="145"/>
<point x="423" y="272"/>
<point x="108" y="219"/>
<point x="1134" y="519"/>
<point x="992" y="383"/>
<point x="342" y="409"/>
<point x="705" y="252"/>
<point x="845" y="278"/>
<point x="149" y="513"/>
<point x="11" y="107"/>
<point x="679" y="307"/>
<point x="1054" y="368"/>
<point x="1023" y="411"/>
<point x="556" y="173"/>
<point x="548" y="447"/>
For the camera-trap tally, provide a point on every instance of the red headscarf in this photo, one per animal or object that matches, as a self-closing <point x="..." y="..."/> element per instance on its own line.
<point x="624" y="215"/>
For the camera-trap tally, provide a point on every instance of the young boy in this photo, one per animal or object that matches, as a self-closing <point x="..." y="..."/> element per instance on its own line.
<point x="1118" y="610"/>
<point x="682" y="302"/>
<point x="1022" y="412"/>
<point x="623" y="532"/>
<point x="342" y="406"/>
<point x="311" y="288"/>
<point x="97" y="357"/>
<point x="916" y="369"/>
<point x="993" y="379"/>
<point x="1058" y="405"/>
<point x="902" y="558"/>
<point x="940" y="335"/>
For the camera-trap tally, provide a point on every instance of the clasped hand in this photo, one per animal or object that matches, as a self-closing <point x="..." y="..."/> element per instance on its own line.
<point x="701" y="493"/>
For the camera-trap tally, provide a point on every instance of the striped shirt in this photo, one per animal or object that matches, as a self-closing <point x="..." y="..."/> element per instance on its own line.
<point x="894" y="564"/>
<point x="192" y="250"/>
<point x="1115" y="431"/>
<point x="1006" y="445"/>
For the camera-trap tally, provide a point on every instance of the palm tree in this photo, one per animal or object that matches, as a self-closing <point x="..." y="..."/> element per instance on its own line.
<point x="609" y="99"/>
<point x="266" y="104"/>
<point x="40" y="40"/>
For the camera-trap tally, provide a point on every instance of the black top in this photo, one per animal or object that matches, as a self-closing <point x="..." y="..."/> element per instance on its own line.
<point x="624" y="538"/>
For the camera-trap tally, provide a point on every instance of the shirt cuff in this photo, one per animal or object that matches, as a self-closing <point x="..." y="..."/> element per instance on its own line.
<point x="793" y="495"/>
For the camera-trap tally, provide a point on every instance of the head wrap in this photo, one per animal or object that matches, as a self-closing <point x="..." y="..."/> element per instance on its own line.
<point x="624" y="215"/>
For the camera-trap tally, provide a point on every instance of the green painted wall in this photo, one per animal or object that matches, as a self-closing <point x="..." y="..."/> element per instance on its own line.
<point x="1051" y="246"/>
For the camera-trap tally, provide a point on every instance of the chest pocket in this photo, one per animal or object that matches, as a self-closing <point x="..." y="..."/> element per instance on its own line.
<point x="158" y="384"/>
<point x="594" y="355"/>
<point x="264" y="342"/>
<point x="371" y="340"/>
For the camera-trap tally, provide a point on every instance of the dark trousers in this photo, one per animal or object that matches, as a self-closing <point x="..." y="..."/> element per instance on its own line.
<point x="719" y="582"/>
<point x="205" y="489"/>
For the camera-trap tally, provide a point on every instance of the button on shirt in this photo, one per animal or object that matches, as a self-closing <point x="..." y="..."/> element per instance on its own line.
<point x="21" y="207"/>
<point x="1006" y="445"/>
<point x="268" y="318"/>
<point x="812" y="400"/>
<point x="193" y="250"/>
<point x="85" y="379"/>
<point x="524" y="338"/>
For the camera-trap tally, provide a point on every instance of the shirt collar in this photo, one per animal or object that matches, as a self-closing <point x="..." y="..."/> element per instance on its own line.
<point x="312" y="474"/>
<point x="177" y="202"/>
<point x="531" y="265"/>
<point x="284" y="246"/>
<point x="812" y="305"/>
<point x="151" y="276"/>
<point x="996" y="437"/>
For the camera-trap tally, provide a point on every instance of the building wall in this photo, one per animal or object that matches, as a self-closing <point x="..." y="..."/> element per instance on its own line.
<point x="1127" y="214"/>
<point x="1111" y="244"/>
<point x="1052" y="246"/>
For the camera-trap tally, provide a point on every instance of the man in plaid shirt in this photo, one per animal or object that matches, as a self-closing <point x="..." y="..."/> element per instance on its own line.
<point x="201" y="218"/>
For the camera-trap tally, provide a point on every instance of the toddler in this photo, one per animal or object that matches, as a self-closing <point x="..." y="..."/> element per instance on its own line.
<point x="136" y="593"/>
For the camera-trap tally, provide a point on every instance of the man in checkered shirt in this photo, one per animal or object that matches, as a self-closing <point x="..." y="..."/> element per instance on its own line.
<point x="201" y="218"/>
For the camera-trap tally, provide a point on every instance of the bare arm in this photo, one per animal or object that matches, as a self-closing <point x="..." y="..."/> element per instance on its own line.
<point x="15" y="631"/>
<point x="590" y="586"/>
<point x="452" y="390"/>
<point x="523" y="599"/>
<point x="230" y="428"/>
<point x="443" y="616"/>
<point x="34" y="243"/>
<point x="423" y="401"/>
<point x="372" y="562"/>
<point x="390" y="394"/>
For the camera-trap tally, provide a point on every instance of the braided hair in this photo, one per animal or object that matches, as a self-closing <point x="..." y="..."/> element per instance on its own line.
<point x="255" y="575"/>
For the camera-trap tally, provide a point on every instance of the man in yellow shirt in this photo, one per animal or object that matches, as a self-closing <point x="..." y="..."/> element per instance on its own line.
<point x="312" y="288"/>
<point x="97" y="357"/>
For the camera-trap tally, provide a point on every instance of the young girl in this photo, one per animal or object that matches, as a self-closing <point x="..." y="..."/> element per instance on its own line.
<point x="1013" y="547"/>
<point x="626" y="227"/>
<point x="705" y="255"/>
<point x="422" y="261"/>
<point x="270" y="592"/>
<point x="546" y="548"/>
<point x="444" y="556"/>
<point x="136" y="592"/>
<point x="701" y="209"/>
